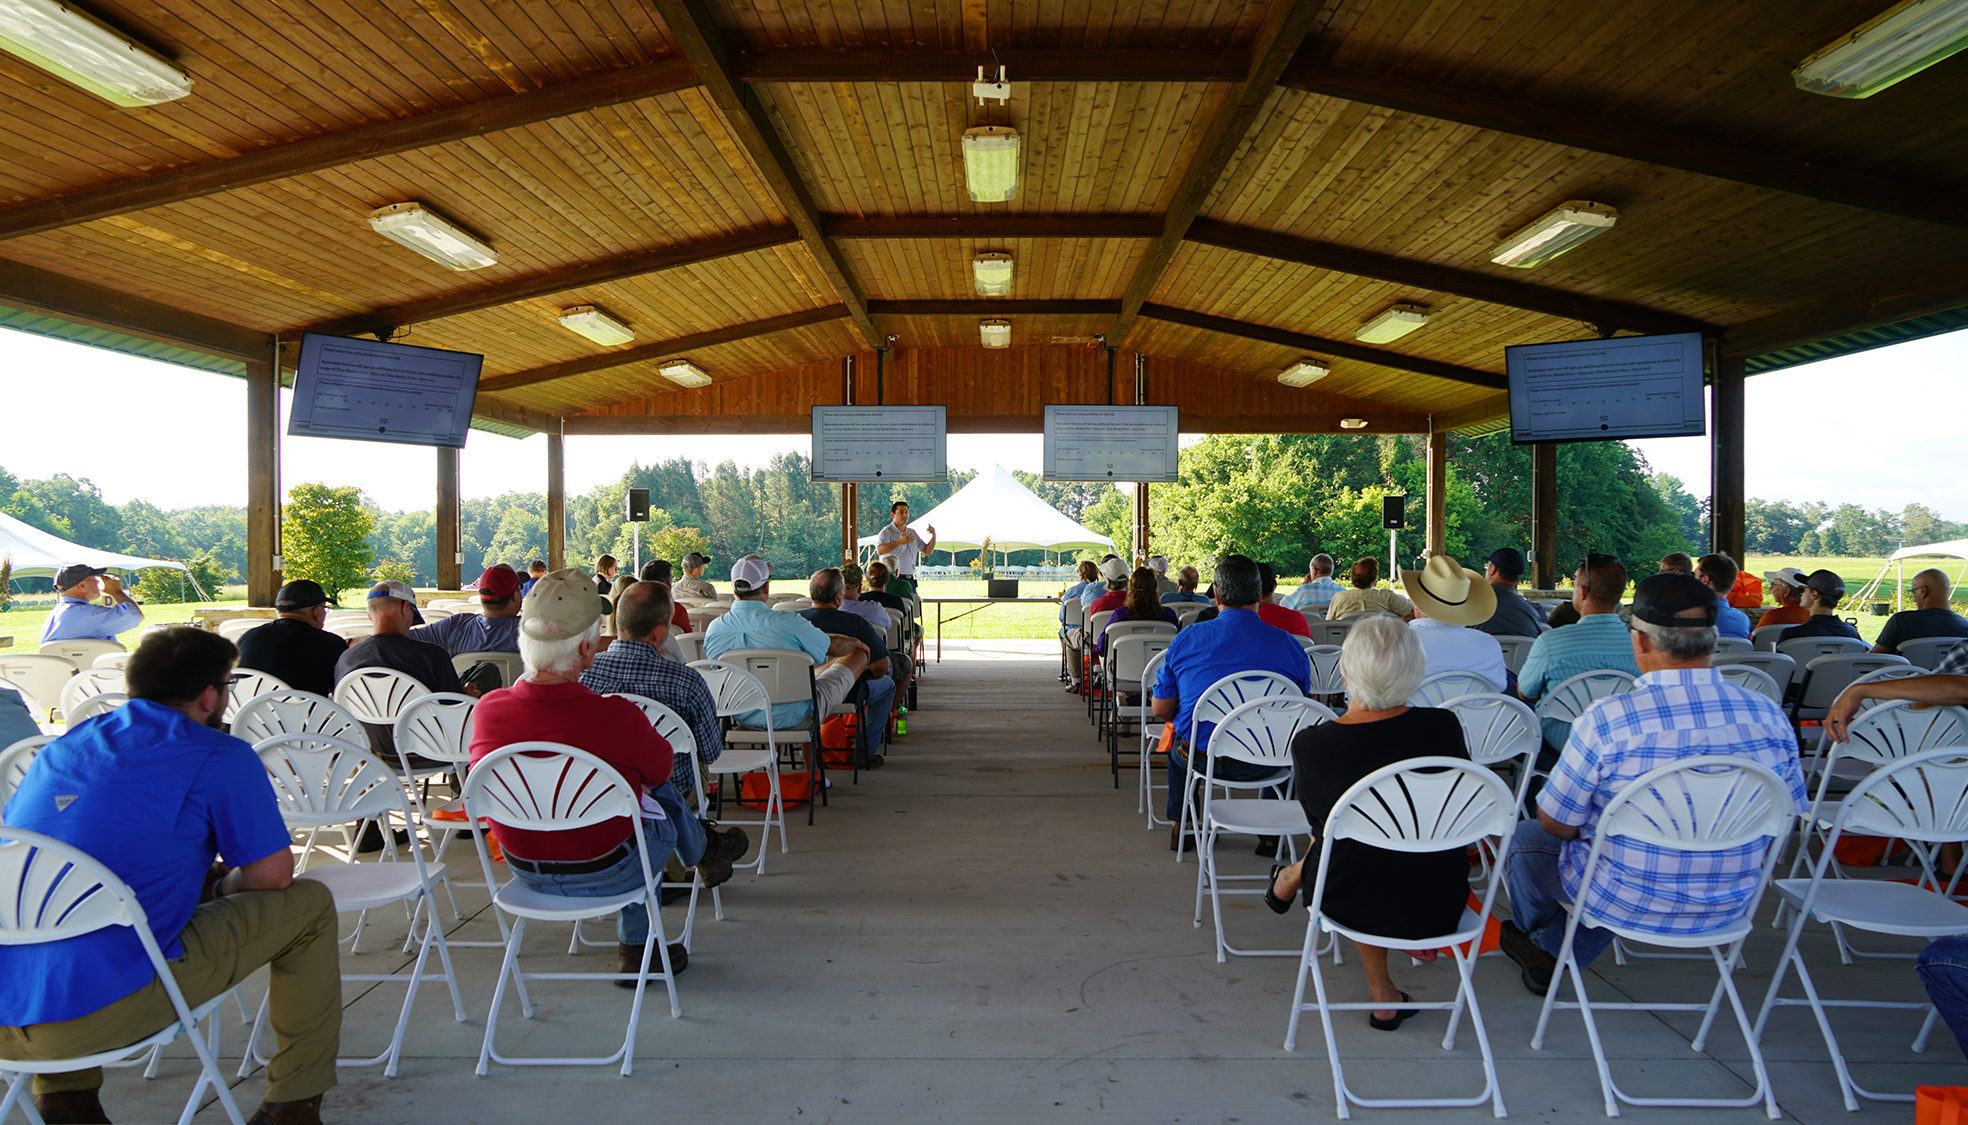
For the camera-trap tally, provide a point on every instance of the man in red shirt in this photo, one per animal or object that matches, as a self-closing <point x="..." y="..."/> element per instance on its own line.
<point x="559" y="625"/>
<point x="1270" y="612"/>
<point x="1115" y="573"/>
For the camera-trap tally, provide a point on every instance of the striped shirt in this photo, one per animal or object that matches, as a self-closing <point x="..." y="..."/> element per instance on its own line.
<point x="1315" y="595"/>
<point x="1595" y="641"/>
<point x="1669" y="715"/>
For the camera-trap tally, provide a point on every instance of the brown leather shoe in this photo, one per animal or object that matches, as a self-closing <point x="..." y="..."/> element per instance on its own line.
<point x="71" y="1107"/>
<point x="307" y="1111"/>
<point x="628" y="959"/>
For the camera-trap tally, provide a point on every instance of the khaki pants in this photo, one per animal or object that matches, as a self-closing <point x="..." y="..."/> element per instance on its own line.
<point x="292" y="931"/>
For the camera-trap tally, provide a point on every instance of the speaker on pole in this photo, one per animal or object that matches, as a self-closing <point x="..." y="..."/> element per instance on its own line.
<point x="1393" y="513"/>
<point x="637" y="507"/>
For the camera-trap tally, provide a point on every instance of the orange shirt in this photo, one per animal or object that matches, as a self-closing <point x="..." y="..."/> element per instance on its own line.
<point x="1784" y="615"/>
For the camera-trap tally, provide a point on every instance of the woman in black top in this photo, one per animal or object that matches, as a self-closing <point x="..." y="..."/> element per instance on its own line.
<point x="1399" y="894"/>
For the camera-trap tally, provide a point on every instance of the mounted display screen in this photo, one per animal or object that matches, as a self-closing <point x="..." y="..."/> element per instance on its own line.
<point x="880" y="443"/>
<point x="1606" y="390"/>
<point x="1115" y="443"/>
<point x="366" y="390"/>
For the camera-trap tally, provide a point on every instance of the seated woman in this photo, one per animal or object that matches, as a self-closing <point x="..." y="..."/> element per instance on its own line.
<point x="1144" y="603"/>
<point x="1399" y="894"/>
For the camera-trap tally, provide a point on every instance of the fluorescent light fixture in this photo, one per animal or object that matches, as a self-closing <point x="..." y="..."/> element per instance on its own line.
<point x="430" y="234"/>
<point x="1304" y="373"/>
<point x="596" y="325"/>
<point x="1393" y="324"/>
<point x="996" y="333"/>
<point x="683" y="373"/>
<point x="992" y="272"/>
<point x="1352" y="423"/>
<point x="76" y="48"/>
<point x="1556" y="231"/>
<point x="1899" y="43"/>
<point x="990" y="156"/>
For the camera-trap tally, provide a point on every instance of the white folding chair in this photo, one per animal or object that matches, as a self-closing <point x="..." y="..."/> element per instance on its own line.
<point x="1218" y="700"/>
<point x="549" y="787"/>
<point x="683" y="747"/>
<point x="787" y="677"/>
<point x="1516" y="649"/>
<point x="1107" y="699"/>
<point x="82" y="685"/>
<point x="1151" y="739"/>
<point x="1258" y="733"/>
<point x="1128" y="659"/>
<point x="437" y="727"/>
<point x="1444" y="686"/>
<point x="1733" y="644"/>
<point x="1878" y="736"/>
<point x="690" y="644"/>
<point x="1926" y="652"/>
<point x="1707" y="805"/>
<point x="1763" y="638"/>
<point x="1330" y="632"/>
<point x="98" y="704"/>
<point x="111" y="660"/>
<point x="244" y="684"/>
<point x="1806" y="649"/>
<point x="1752" y="678"/>
<point x="38" y="678"/>
<point x="378" y="695"/>
<point x="82" y="652"/>
<point x="1824" y="677"/>
<point x="1568" y="699"/>
<point x="51" y="891"/>
<point x="1421" y="805"/>
<point x="511" y="667"/>
<point x="319" y="783"/>
<point x="1328" y="685"/>
<point x="1776" y="665"/>
<point x="299" y="712"/>
<point x="237" y="627"/>
<point x="1498" y="731"/>
<point x="1895" y="672"/>
<point x="14" y="760"/>
<point x="736" y="692"/>
<point x="1922" y="799"/>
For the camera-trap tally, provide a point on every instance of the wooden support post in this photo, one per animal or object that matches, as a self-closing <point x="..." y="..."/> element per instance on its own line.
<point x="262" y="479"/>
<point x="849" y="496"/>
<point x="1438" y="493"/>
<point x="1726" y="508"/>
<point x="1544" y="514"/>
<point x="1141" y="490"/>
<point x="449" y="504"/>
<point x="556" y="499"/>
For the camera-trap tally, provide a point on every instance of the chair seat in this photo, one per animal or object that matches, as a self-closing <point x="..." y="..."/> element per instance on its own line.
<point x="1468" y="928"/>
<point x="1879" y="906"/>
<point x="740" y="761"/>
<point x="1264" y="782"/>
<point x="1700" y="940"/>
<point x="525" y="902"/>
<point x="360" y="886"/>
<point x="1262" y="818"/>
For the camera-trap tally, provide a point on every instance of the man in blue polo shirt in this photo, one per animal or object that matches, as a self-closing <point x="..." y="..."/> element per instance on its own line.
<point x="1598" y="639"/>
<point x="156" y="794"/>
<point x="1718" y="572"/>
<point x="77" y="617"/>
<point x="753" y="623"/>
<point x="1236" y="640"/>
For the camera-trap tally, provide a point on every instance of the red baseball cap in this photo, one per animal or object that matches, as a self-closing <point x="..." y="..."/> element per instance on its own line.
<point x="498" y="582"/>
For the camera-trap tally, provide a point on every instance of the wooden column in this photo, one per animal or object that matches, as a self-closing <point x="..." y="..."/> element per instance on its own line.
<point x="262" y="480"/>
<point x="1544" y="514"/>
<point x="849" y="492"/>
<point x="1726" y="510"/>
<point x="556" y="499"/>
<point x="1141" y="490"/>
<point x="449" y="503"/>
<point x="1438" y="493"/>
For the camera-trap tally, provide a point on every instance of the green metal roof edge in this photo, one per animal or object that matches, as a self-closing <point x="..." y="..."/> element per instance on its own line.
<point x="1864" y="340"/>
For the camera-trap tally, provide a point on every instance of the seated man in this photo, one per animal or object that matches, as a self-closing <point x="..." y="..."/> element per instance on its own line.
<point x="635" y="665"/>
<point x="1113" y="592"/>
<point x="1718" y="572"/>
<point x="159" y="796"/>
<point x="1186" y="581"/>
<point x="1315" y="594"/>
<point x="494" y="628"/>
<point x="692" y="584"/>
<point x="851" y="599"/>
<point x="1515" y="615"/>
<point x="1164" y="585"/>
<point x="1449" y="602"/>
<point x="16" y="721"/>
<point x="1823" y="590"/>
<point x="1786" y="589"/>
<point x="535" y="570"/>
<point x="1677" y="562"/>
<point x="77" y="617"/>
<point x="391" y="609"/>
<point x="826" y="589"/>
<point x="559" y="625"/>
<point x="294" y="648"/>
<point x="753" y="623"/>
<point x="1681" y="708"/>
<point x="1929" y="617"/>
<point x="1363" y="597"/>
<point x="1598" y="639"/>
<point x="1290" y="620"/>
<point x="1237" y="640"/>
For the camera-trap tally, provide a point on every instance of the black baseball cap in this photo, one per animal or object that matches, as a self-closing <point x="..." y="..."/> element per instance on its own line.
<point x="1507" y="560"/>
<point x="77" y="572"/>
<point x="695" y="559"/>
<point x="1827" y="583"/>
<point x="1663" y="599"/>
<point x="301" y="594"/>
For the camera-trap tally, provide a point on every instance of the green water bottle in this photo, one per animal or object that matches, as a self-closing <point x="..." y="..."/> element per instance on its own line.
<point x="901" y="721"/>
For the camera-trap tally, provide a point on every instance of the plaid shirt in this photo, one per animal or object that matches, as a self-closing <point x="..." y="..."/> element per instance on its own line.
<point x="1668" y="716"/>
<point x="636" y="668"/>
<point x="1314" y="595"/>
<point x="1955" y="663"/>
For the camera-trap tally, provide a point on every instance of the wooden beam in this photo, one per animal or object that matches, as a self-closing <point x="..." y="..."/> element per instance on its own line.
<point x="701" y="42"/>
<point x="549" y="282"/>
<point x="313" y="154"/>
<point x="991" y="306"/>
<point x="1021" y="65"/>
<point x="556" y="500"/>
<point x="1285" y="26"/>
<point x="64" y="298"/>
<point x="662" y="349"/>
<point x="1437" y="498"/>
<point x="1342" y="348"/>
<point x="1544" y="516"/>
<point x="511" y="414"/>
<point x="993" y="226"/>
<point x="262" y="479"/>
<point x="1852" y="306"/>
<point x="1475" y="414"/>
<point x="1488" y="288"/>
<point x="449" y="504"/>
<point x="1727" y="511"/>
<point x="1632" y="141"/>
<point x="1316" y="421"/>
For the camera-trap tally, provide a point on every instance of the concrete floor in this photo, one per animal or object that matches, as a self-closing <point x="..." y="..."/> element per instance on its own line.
<point x="985" y="931"/>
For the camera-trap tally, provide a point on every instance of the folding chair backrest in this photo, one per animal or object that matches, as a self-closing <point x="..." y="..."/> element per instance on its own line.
<point x="734" y="689"/>
<point x="1326" y="679"/>
<point x="546" y="787"/>
<point x="1097" y="623"/>
<point x="700" y="619"/>
<point x="51" y="891"/>
<point x="1129" y="657"/>
<point x="296" y="712"/>
<point x="378" y="695"/>
<point x="437" y="726"/>
<point x="351" y="630"/>
<point x="15" y="759"/>
<point x="319" y="781"/>
<point x="111" y="660"/>
<point x="243" y="685"/>
<point x="97" y="704"/>
<point x="1495" y="728"/>
<point x="1922" y="798"/>
<point x="1427" y="804"/>
<point x="1895" y="672"/>
<point x="1776" y="665"/>
<point x="1900" y="729"/>
<point x="38" y="678"/>
<point x="1826" y="676"/>
<point x="1260" y="732"/>
<point x="1733" y="644"/>
<point x="667" y="722"/>
<point x="1443" y="686"/>
<point x="511" y="667"/>
<point x="92" y="681"/>
<point x="1569" y="698"/>
<point x="237" y="627"/>
<point x="1753" y="678"/>
<point x="786" y="674"/>
<point x="1926" y="652"/>
<point x="1120" y="629"/>
<point x="1233" y="691"/>
<point x="1806" y="649"/>
<point x="691" y="645"/>
<point x="1187" y="612"/>
<point x="82" y="652"/>
<point x="1330" y="632"/>
<point x="1516" y="649"/>
<point x="1763" y="638"/>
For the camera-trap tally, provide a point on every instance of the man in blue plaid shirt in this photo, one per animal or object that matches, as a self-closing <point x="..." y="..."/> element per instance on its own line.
<point x="1680" y="708"/>
<point x="631" y="665"/>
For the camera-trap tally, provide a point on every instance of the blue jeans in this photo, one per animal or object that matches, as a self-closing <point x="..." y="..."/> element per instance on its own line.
<point x="881" y="700"/>
<point x="1537" y="899"/>
<point x="1178" y="778"/>
<point x="1943" y="969"/>
<point x="681" y="832"/>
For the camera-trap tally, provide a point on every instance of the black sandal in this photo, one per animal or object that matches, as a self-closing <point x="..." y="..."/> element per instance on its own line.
<point x="1271" y="899"/>
<point x="1401" y="1016"/>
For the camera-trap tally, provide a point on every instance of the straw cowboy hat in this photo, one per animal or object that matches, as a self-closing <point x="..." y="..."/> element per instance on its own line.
<point x="1448" y="591"/>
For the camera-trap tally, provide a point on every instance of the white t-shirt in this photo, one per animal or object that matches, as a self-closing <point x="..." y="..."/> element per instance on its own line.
<point x="1457" y="648"/>
<point x="904" y="558"/>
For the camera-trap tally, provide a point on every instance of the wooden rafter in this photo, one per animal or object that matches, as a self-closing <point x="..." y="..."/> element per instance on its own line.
<point x="989" y="306"/>
<point x="1860" y="306"/>
<point x="1285" y="27"/>
<point x="511" y="414"/>
<point x="1475" y="414"/>
<point x="1011" y="225"/>
<point x="703" y="45"/>
<point x="316" y="153"/>
<point x="879" y="65"/>
<point x="1341" y="348"/>
<point x="1632" y="141"/>
<point x="52" y="294"/>
<point x="662" y="349"/>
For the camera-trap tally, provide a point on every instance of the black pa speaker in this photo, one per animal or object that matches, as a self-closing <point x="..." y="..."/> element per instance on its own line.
<point x="1393" y="513"/>
<point x="637" y="508"/>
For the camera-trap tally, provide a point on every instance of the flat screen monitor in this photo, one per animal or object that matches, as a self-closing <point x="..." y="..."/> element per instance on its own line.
<point x="880" y="443"/>
<point x="366" y="390"/>
<point x="1606" y="390"/>
<point x="1112" y="443"/>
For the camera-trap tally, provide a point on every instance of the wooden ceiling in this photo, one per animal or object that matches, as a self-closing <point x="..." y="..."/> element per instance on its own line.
<point x="766" y="189"/>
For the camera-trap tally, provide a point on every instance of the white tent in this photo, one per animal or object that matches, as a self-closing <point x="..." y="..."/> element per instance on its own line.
<point x="1896" y="562"/>
<point x="995" y="506"/>
<point x="39" y="554"/>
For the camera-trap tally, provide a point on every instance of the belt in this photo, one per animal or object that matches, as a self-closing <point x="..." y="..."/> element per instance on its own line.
<point x="572" y="866"/>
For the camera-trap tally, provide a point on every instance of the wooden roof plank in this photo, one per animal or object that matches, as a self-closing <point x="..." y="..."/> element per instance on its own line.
<point x="865" y="64"/>
<point x="662" y="349"/>
<point x="1341" y="348"/>
<point x="51" y="294"/>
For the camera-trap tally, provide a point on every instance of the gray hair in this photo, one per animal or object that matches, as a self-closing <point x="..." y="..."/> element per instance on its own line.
<point x="1678" y="642"/>
<point x="559" y="655"/>
<point x="1381" y="662"/>
<point x="1322" y="563"/>
<point x="826" y="586"/>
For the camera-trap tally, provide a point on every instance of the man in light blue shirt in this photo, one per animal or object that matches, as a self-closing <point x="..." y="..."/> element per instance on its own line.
<point x="1598" y="639"/>
<point x="1316" y="593"/>
<point x="1089" y="576"/>
<point x="494" y="628"/>
<point x="753" y="623"/>
<point x="77" y="617"/>
<point x="1718" y="572"/>
<point x="1185" y="588"/>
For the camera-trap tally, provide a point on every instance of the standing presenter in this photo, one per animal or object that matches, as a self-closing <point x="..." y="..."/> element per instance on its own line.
<point x="903" y="549"/>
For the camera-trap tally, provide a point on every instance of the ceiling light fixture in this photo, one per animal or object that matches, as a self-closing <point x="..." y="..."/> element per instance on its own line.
<point x="79" y="49"/>
<point x="432" y="235"/>
<point x="995" y="333"/>
<point x="1304" y="373"/>
<point x="1391" y="325"/>
<point x="991" y="87"/>
<point x="596" y="325"/>
<point x="1556" y="231"/>
<point x="990" y="156"/>
<point x="1897" y="44"/>
<point x="992" y="273"/>
<point x="1352" y="423"/>
<point x="683" y="373"/>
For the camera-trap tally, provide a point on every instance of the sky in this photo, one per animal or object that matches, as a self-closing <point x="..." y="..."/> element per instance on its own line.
<point x="1867" y="429"/>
